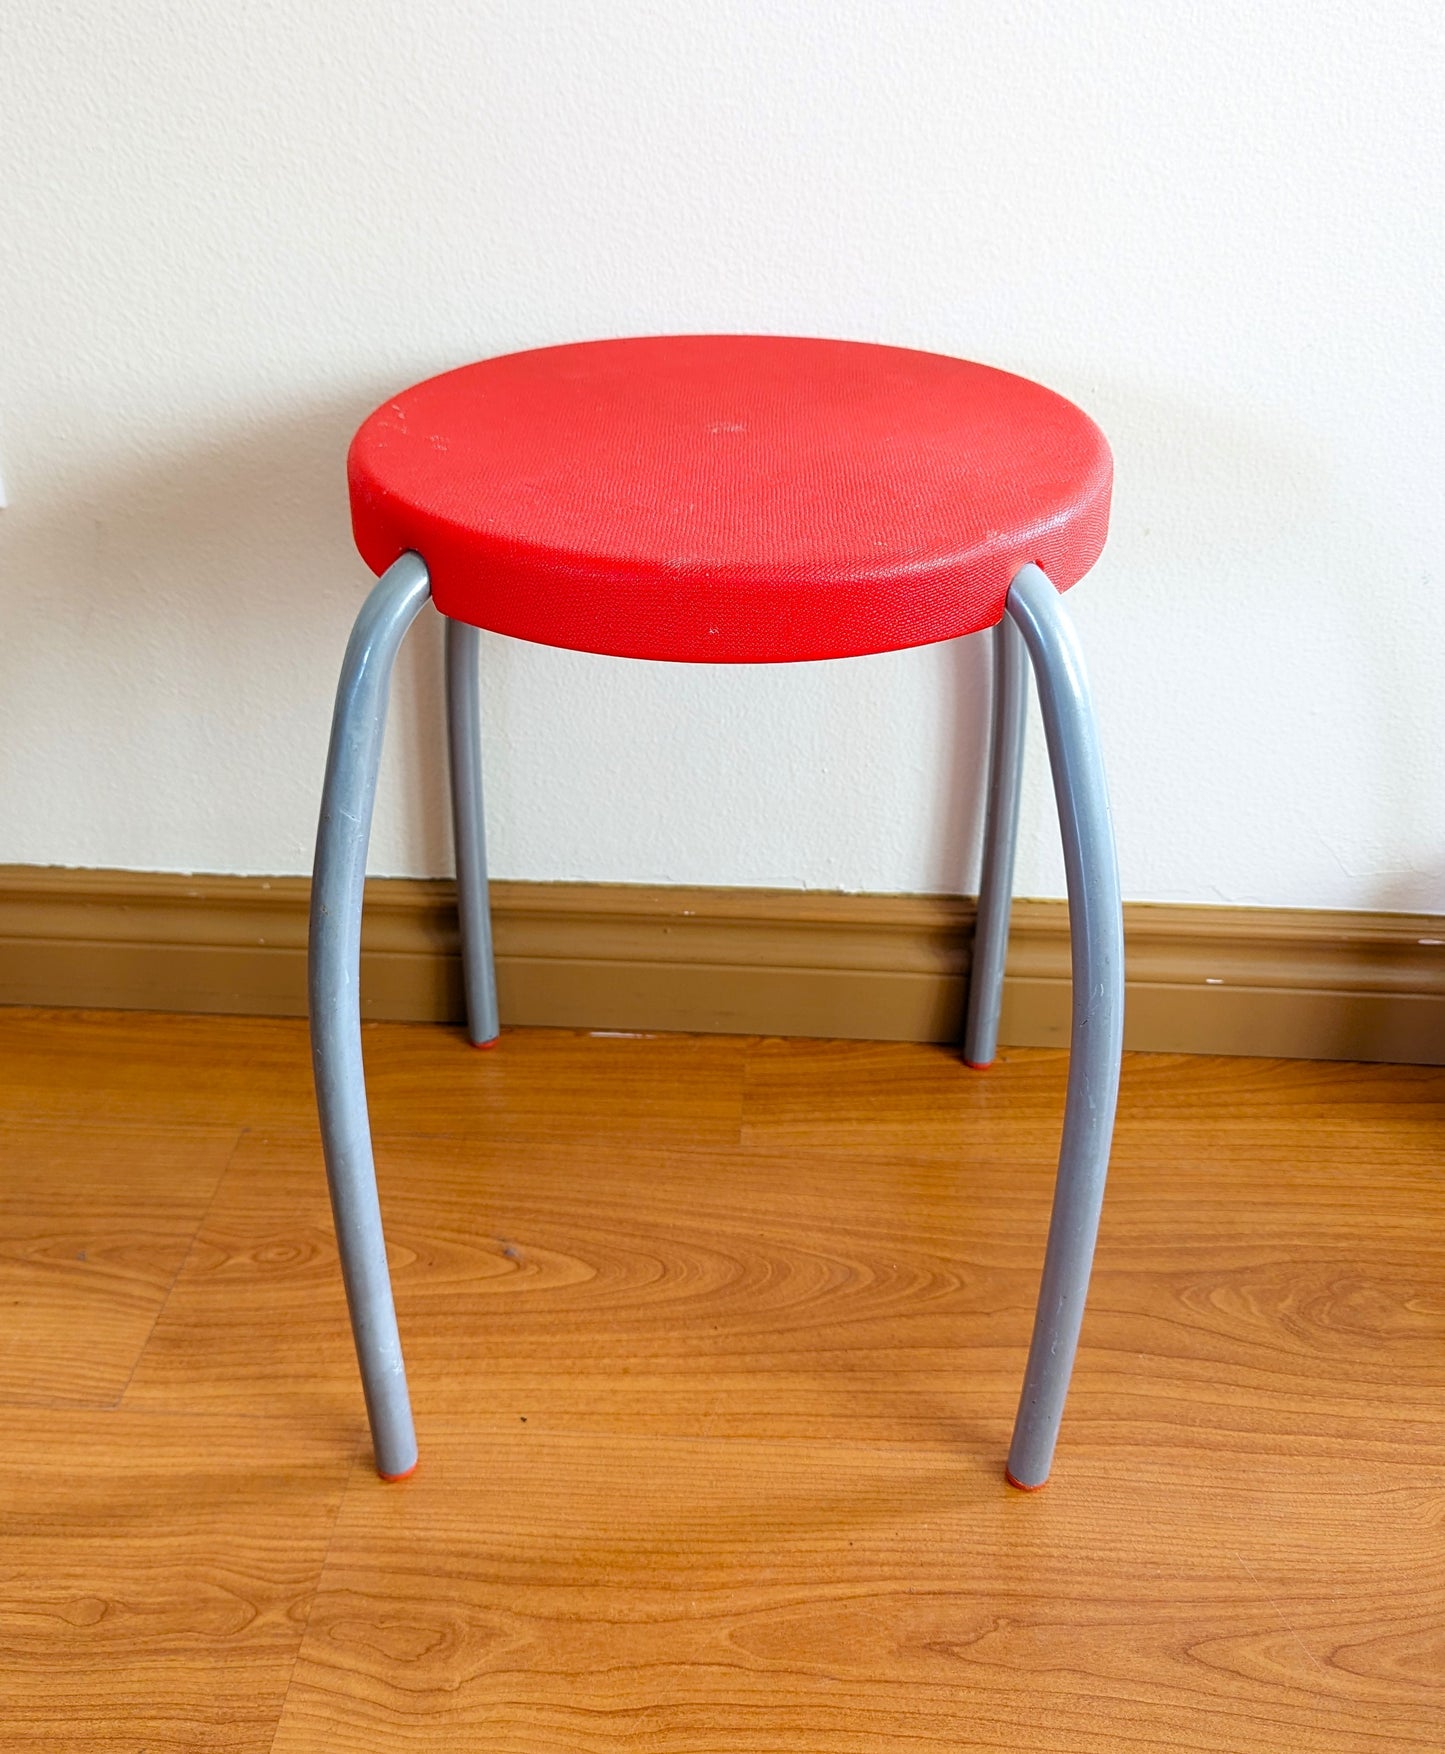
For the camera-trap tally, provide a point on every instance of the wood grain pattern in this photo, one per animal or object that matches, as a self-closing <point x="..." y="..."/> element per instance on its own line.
<point x="715" y="1345"/>
<point x="737" y="1294"/>
<point x="94" y="1226"/>
<point x="757" y="1596"/>
<point x="155" y="1577"/>
<point x="144" y="1068"/>
<point x="662" y="1290"/>
<point x="908" y="1100"/>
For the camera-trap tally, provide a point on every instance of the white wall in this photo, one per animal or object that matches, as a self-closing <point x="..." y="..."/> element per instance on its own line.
<point x="226" y="232"/>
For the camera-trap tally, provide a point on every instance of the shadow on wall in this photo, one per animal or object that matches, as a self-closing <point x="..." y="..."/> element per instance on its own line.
<point x="958" y="817"/>
<point x="1421" y="891"/>
<point x="1268" y="719"/>
<point x="176" y="616"/>
<point x="190" y="605"/>
<point x="190" y="608"/>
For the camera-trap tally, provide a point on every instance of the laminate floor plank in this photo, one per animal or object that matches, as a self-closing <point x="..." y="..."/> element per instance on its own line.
<point x="155" y="1578"/>
<point x="620" y="1284"/>
<point x="734" y="1294"/>
<point x="533" y="1591"/>
<point x="715" y="1347"/>
<point x="905" y="1100"/>
<point x="94" y="1226"/>
<point x="140" y="1068"/>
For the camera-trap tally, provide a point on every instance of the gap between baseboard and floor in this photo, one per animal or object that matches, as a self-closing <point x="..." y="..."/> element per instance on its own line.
<point x="1299" y="983"/>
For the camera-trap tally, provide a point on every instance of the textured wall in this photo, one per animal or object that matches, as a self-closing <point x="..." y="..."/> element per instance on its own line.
<point x="229" y="231"/>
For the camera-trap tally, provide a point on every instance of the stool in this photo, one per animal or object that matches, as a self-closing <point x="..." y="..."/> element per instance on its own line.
<point x="731" y="500"/>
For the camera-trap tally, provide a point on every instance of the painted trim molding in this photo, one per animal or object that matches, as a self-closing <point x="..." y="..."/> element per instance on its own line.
<point x="1273" y="981"/>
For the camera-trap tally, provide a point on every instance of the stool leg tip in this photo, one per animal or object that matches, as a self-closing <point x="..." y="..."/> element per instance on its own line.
<point x="978" y="1065"/>
<point x="482" y="1046"/>
<point x="405" y="1474"/>
<point x="1019" y="1486"/>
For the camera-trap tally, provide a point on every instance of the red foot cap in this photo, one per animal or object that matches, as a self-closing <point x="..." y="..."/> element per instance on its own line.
<point x="1019" y="1485"/>
<point x="405" y="1474"/>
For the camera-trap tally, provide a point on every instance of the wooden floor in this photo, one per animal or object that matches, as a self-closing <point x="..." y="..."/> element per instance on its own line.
<point x="714" y="1344"/>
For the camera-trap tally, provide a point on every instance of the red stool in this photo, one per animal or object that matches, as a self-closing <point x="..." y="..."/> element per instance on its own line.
<point x="738" y="500"/>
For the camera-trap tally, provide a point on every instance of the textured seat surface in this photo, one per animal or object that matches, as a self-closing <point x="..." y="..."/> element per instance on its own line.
<point x="729" y="498"/>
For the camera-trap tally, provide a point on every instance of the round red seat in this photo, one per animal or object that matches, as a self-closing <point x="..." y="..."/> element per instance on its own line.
<point x="729" y="498"/>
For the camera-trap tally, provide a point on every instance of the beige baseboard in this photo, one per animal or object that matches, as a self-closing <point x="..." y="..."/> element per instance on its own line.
<point x="1306" y="984"/>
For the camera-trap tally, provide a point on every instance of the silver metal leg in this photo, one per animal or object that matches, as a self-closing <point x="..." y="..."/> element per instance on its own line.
<point x="334" y="974"/>
<point x="1096" y="927"/>
<point x="464" y="735"/>
<point x="1000" y="835"/>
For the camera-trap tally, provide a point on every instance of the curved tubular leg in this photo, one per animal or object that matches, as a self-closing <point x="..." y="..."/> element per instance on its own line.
<point x="1000" y="834"/>
<point x="1096" y="927"/>
<point x="334" y="978"/>
<point x="464" y="740"/>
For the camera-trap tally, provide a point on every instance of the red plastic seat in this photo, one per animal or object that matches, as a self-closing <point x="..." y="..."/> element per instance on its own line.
<point x="729" y="498"/>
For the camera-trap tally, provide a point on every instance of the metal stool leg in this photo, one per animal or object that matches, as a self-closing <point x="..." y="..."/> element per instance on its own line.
<point x="1096" y="926"/>
<point x="1000" y="834"/>
<point x="334" y="978"/>
<point x="464" y="737"/>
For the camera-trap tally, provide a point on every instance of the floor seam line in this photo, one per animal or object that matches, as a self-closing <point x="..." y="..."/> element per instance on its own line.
<point x="241" y="1132"/>
<point x="311" y="1605"/>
